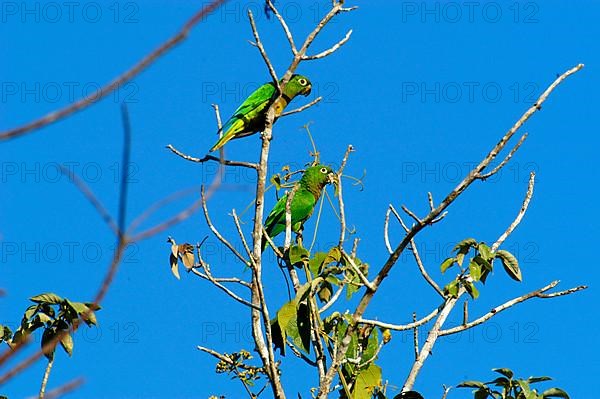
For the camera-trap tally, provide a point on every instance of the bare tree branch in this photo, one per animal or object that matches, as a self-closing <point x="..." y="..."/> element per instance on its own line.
<point x="302" y="108"/>
<point x="505" y="160"/>
<point x="117" y="82"/>
<point x="261" y="48"/>
<point x="535" y="294"/>
<point x="209" y="157"/>
<point x="330" y="50"/>
<point x="391" y="261"/>
<point x="402" y="327"/>
<point x="520" y="215"/>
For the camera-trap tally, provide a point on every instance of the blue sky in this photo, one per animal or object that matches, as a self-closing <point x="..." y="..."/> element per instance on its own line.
<point x="422" y="91"/>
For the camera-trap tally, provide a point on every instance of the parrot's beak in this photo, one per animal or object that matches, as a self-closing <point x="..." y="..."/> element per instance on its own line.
<point x="307" y="90"/>
<point x="333" y="179"/>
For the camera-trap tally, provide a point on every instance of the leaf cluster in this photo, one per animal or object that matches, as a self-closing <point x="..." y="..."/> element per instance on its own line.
<point x="479" y="266"/>
<point x="507" y="387"/>
<point x="56" y="316"/>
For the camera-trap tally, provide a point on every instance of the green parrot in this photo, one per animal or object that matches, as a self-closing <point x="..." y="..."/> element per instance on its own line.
<point x="249" y="118"/>
<point x="314" y="179"/>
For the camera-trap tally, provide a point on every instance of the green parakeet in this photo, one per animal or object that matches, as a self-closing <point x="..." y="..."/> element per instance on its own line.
<point x="250" y="117"/>
<point x="303" y="203"/>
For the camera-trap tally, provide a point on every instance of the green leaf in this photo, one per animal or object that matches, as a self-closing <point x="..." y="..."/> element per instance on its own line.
<point x="555" y="393"/>
<point x="533" y="380"/>
<point x="485" y="251"/>
<point x="30" y="311"/>
<point x="366" y="382"/>
<point x="451" y="289"/>
<point x="526" y="390"/>
<point x="446" y="264"/>
<point x="505" y="372"/>
<point x="47" y="338"/>
<point x="316" y="262"/>
<point x="471" y="384"/>
<point x="471" y="289"/>
<point x="510" y="264"/>
<point x="325" y="292"/>
<point x="481" y="394"/>
<point x="48" y="297"/>
<point x="294" y="322"/>
<point x="475" y="271"/>
<point x="276" y="180"/>
<point x="465" y="244"/>
<point x="5" y="333"/>
<point x="463" y="248"/>
<point x="43" y="318"/>
<point x="298" y="254"/>
<point x="483" y="263"/>
<point x="66" y="342"/>
<point x="334" y="256"/>
<point x="500" y="382"/>
<point x="277" y="334"/>
<point x="484" y="275"/>
<point x="301" y="334"/>
<point x="333" y="280"/>
<point x="372" y="346"/>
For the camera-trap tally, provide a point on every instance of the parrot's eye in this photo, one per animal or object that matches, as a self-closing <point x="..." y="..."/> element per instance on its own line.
<point x="302" y="82"/>
<point x="323" y="170"/>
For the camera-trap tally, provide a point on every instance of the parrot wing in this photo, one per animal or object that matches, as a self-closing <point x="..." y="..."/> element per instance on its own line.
<point x="243" y="120"/>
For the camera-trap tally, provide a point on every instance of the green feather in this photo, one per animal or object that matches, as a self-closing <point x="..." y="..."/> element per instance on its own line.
<point x="250" y="117"/>
<point x="303" y="203"/>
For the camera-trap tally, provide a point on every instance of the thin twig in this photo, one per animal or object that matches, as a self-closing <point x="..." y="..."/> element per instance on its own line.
<point x="386" y="237"/>
<point x="285" y="27"/>
<point x="160" y="204"/>
<point x="364" y="302"/>
<point x="218" y="234"/>
<point x="224" y="289"/>
<point x="65" y="389"/>
<point x="45" y="378"/>
<point x="330" y="50"/>
<point x="261" y="48"/>
<point x="535" y="294"/>
<point x="117" y="82"/>
<point x="236" y="220"/>
<point x="91" y="197"/>
<point x="356" y="270"/>
<point x="415" y="336"/>
<point x="402" y="327"/>
<point x="505" y="160"/>
<point x="209" y="157"/>
<point x="302" y="108"/>
<point x="416" y="255"/>
<point x="520" y="215"/>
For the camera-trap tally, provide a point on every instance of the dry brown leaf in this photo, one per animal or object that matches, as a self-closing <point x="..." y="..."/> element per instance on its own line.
<point x="186" y="253"/>
<point x="174" y="266"/>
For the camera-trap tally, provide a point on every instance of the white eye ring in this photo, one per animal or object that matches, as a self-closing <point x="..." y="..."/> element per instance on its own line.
<point x="302" y="82"/>
<point x="323" y="170"/>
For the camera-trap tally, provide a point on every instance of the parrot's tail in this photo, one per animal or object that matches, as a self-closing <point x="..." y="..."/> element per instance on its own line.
<point x="224" y="139"/>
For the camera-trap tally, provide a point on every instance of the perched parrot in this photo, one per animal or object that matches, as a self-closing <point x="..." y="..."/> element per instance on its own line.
<point x="250" y="117"/>
<point x="314" y="179"/>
